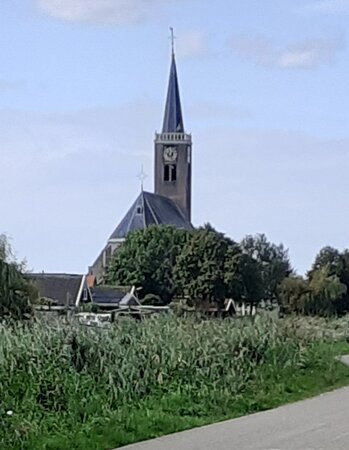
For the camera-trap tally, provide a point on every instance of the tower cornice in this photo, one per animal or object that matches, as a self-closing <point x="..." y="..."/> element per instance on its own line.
<point x="173" y="138"/>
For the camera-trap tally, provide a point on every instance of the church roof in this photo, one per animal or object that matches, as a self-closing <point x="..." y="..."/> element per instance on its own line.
<point x="173" y="120"/>
<point x="151" y="209"/>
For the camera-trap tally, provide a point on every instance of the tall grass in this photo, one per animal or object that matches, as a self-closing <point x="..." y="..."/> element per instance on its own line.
<point x="55" y="380"/>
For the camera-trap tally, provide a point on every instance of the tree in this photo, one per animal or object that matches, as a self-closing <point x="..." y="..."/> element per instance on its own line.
<point x="327" y="292"/>
<point x="273" y="263"/>
<point x="242" y="277"/>
<point x="329" y="258"/>
<point x="146" y="260"/>
<point x="316" y="296"/>
<point x="333" y="265"/>
<point x="212" y="268"/>
<point x="199" y="271"/>
<point x="204" y="266"/>
<point x="344" y="276"/>
<point x="16" y="293"/>
<point x="294" y="295"/>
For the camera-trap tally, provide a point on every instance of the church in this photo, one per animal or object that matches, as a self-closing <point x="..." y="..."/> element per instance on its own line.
<point x="170" y="204"/>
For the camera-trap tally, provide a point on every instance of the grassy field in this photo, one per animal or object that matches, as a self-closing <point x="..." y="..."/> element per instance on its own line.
<point x="82" y="388"/>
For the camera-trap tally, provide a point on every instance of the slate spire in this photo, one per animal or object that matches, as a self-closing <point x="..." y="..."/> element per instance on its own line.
<point x="173" y="119"/>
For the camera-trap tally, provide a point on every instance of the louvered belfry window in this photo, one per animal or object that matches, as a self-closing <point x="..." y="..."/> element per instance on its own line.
<point x="170" y="172"/>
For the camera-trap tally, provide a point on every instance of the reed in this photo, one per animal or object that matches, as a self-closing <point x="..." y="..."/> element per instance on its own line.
<point x="55" y="379"/>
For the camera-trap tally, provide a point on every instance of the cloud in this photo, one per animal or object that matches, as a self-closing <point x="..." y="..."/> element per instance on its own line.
<point x="326" y="7"/>
<point x="191" y="44"/>
<point x="308" y="54"/>
<point x="117" y="12"/>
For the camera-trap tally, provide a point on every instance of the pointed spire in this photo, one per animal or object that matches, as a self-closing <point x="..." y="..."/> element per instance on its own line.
<point x="173" y="120"/>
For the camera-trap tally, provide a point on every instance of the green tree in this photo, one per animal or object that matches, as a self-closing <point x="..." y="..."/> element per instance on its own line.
<point x="204" y="266"/>
<point x="294" y="295"/>
<point x="317" y="296"/>
<point x="200" y="269"/>
<point x="327" y="292"/>
<point x="146" y="260"/>
<point x="16" y="293"/>
<point x="273" y="263"/>
<point x="333" y="265"/>
<point x="242" y="277"/>
<point x="212" y="268"/>
<point x="329" y="258"/>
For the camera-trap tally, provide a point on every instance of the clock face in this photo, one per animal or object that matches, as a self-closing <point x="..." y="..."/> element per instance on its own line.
<point x="170" y="154"/>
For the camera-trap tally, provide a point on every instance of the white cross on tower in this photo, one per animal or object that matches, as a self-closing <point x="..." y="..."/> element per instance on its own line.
<point x="172" y="37"/>
<point x="142" y="176"/>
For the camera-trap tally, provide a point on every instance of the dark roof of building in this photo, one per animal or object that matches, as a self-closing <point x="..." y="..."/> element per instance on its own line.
<point x="109" y="297"/>
<point x="151" y="209"/>
<point x="107" y="294"/>
<point x="173" y="120"/>
<point x="58" y="287"/>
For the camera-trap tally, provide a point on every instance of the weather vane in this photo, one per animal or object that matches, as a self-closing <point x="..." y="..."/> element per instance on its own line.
<point x="172" y="37"/>
<point x="142" y="176"/>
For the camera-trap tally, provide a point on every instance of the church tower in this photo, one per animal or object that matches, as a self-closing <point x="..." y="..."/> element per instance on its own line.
<point x="170" y="204"/>
<point x="173" y="148"/>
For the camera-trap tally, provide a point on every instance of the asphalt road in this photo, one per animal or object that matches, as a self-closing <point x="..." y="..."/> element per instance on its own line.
<point x="321" y="423"/>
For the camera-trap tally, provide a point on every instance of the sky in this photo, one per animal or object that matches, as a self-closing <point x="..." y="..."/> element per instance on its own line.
<point x="264" y="87"/>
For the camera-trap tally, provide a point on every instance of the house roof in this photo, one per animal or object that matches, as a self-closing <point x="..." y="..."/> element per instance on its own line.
<point x="173" y="119"/>
<point x="58" y="287"/>
<point x="107" y="294"/>
<point x="150" y="209"/>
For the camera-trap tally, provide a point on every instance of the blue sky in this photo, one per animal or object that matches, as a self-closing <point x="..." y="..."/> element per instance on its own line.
<point x="264" y="87"/>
